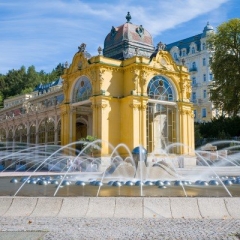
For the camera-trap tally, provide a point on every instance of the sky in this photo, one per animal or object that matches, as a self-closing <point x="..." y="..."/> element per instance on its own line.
<point x="48" y="32"/>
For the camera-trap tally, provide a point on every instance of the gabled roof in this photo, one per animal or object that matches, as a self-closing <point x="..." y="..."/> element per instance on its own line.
<point x="185" y="43"/>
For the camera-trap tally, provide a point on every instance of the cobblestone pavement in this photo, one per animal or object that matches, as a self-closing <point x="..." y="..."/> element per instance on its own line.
<point x="20" y="228"/>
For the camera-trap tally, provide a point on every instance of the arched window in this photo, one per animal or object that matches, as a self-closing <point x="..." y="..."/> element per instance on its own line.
<point x="203" y="46"/>
<point x="193" y="50"/>
<point x="183" y="53"/>
<point x="82" y="90"/>
<point x="160" y="88"/>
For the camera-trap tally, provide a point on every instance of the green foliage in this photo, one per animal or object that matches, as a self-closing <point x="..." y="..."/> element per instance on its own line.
<point x="197" y="134"/>
<point x="1" y="100"/>
<point x="225" y="65"/>
<point x="88" y="139"/>
<point x="27" y="90"/>
<point x="221" y="128"/>
<point x="24" y="80"/>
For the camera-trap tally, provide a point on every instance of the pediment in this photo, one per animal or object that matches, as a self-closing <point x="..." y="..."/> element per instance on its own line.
<point x="79" y="62"/>
<point x="164" y="60"/>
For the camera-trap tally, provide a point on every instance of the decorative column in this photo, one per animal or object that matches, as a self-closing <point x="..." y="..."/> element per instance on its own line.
<point x="65" y="110"/>
<point x="72" y="125"/>
<point x="186" y="128"/>
<point x="101" y="110"/>
<point x="133" y="128"/>
<point x="143" y="136"/>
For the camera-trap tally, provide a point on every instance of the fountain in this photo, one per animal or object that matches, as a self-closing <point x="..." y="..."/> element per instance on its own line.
<point x="32" y="170"/>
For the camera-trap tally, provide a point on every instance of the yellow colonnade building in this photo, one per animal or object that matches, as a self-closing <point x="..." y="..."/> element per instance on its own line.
<point x="131" y="94"/>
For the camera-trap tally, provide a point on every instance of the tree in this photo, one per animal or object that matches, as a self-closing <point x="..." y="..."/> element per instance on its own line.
<point x="14" y="82"/>
<point x="22" y="81"/>
<point x="57" y="72"/>
<point x="225" y="65"/>
<point x="2" y="84"/>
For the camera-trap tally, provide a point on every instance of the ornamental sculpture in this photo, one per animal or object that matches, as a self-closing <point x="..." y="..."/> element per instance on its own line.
<point x="82" y="47"/>
<point x="161" y="46"/>
<point x="113" y="31"/>
<point x="128" y="17"/>
<point x="140" y="30"/>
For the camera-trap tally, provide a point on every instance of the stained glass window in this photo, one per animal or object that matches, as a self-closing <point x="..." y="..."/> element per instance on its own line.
<point x="82" y="90"/>
<point x="160" y="88"/>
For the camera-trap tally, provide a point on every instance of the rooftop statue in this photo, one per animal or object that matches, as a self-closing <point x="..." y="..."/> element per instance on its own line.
<point x="82" y="47"/>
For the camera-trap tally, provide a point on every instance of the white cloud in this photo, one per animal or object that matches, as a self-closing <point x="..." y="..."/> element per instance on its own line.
<point x="46" y="32"/>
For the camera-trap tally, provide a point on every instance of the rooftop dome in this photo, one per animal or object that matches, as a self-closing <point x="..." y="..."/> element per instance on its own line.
<point x="128" y="40"/>
<point x="207" y="29"/>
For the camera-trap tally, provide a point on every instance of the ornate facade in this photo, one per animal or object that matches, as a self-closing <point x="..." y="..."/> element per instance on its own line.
<point x="138" y="100"/>
<point x="193" y="51"/>
<point x="142" y="98"/>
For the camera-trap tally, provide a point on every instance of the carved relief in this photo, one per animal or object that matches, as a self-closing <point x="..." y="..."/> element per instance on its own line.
<point x="165" y="61"/>
<point x="113" y="32"/>
<point x="65" y="87"/>
<point x="144" y="106"/>
<point x="82" y="63"/>
<point x="188" y="90"/>
<point x="140" y="30"/>
<point x="90" y="73"/>
<point x="186" y="112"/>
<point x="135" y="77"/>
<point x="103" y="105"/>
<point x="144" y="76"/>
<point x="93" y="106"/>
<point x="99" y="105"/>
<point x="101" y="78"/>
<point x="138" y="106"/>
<point x="135" y="106"/>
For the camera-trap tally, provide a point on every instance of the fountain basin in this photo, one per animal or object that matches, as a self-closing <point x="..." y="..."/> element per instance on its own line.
<point x="118" y="188"/>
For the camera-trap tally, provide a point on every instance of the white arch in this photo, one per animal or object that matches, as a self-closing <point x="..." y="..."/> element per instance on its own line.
<point x="82" y="120"/>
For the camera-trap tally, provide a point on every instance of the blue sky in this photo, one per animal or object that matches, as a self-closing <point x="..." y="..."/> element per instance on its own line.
<point x="47" y="32"/>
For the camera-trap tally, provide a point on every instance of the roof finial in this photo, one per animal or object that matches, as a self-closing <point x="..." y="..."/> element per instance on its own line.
<point x="128" y="17"/>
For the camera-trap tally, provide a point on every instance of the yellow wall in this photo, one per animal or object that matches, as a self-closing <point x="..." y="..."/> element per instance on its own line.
<point x="119" y="98"/>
